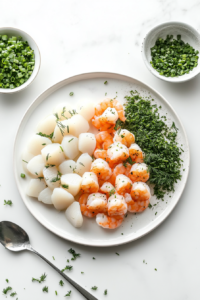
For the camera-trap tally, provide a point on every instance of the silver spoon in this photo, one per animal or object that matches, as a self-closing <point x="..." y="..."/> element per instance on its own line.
<point x="14" y="238"/>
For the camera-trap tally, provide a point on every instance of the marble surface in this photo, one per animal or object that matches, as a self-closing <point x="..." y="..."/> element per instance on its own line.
<point x="82" y="36"/>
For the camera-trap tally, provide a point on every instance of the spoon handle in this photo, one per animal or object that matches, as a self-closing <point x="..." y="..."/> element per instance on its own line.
<point x="84" y="292"/>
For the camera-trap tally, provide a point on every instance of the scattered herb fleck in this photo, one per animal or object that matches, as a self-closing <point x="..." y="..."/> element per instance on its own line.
<point x="45" y="289"/>
<point x="6" y="290"/>
<point x="61" y="283"/>
<point x="74" y="254"/>
<point x="67" y="268"/>
<point x="71" y="93"/>
<point x="65" y="186"/>
<point x="105" y="292"/>
<point x="13" y="294"/>
<point x="42" y="278"/>
<point x="8" y="202"/>
<point x="117" y="253"/>
<point x="94" y="288"/>
<point x="105" y="82"/>
<point x="68" y="294"/>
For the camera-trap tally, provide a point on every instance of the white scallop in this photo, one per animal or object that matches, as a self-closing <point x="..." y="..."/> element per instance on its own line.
<point x="60" y="132"/>
<point x="67" y="167"/>
<point x="61" y="199"/>
<point x="63" y="107"/>
<point x="83" y="164"/>
<point x="70" y="146"/>
<point x="78" y="125"/>
<point x="37" y="143"/>
<point x="45" y="196"/>
<point x="74" y="215"/>
<point x="53" y="154"/>
<point x="35" y="186"/>
<point x="47" y="125"/>
<point x="50" y="174"/>
<point x="73" y="183"/>
<point x="86" y="109"/>
<point x="36" y="165"/>
<point x="87" y="143"/>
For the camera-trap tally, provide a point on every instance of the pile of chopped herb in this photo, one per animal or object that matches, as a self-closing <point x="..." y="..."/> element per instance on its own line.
<point x="172" y="57"/>
<point x="157" y="140"/>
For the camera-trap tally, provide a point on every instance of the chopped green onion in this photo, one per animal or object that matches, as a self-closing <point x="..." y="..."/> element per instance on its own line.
<point x="23" y="175"/>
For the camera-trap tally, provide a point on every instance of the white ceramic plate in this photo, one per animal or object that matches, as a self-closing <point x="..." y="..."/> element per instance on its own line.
<point x="91" y="86"/>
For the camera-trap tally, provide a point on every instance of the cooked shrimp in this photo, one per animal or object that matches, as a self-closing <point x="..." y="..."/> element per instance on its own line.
<point x="97" y="203"/>
<point x="102" y="125"/>
<point x="135" y="206"/>
<point x="107" y="188"/>
<point x="101" y="168"/>
<point x="113" y="103"/>
<point x="89" y="183"/>
<point x="140" y="191"/>
<point x="120" y="169"/>
<point x="139" y="172"/>
<point x="98" y="153"/>
<point x="103" y="140"/>
<point x="125" y="137"/>
<point x="116" y="205"/>
<point x="108" y="222"/>
<point x="123" y="184"/>
<point x="117" y="153"/>
<point x="83" y="205"/>
<point x="136" y="153"/>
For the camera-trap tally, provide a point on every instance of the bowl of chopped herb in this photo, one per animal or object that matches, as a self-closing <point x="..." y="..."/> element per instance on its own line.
<point x="19" y="60"/>
<point x="171" y="51"/>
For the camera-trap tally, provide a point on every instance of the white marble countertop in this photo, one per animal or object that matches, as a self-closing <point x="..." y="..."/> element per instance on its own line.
<point x="82" y="36"/>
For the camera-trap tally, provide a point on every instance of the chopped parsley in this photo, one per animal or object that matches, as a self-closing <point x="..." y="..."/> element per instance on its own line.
<point x="68" y="294"/>
<point x="105" y="292"/>
<point x="45" y="135"/>
<point x="8" y="202"/>
<point x="93" y="258"/>
<point x="111" y="192"/>
<point x="117" y="253"/>
<point x="13" y="294"/>
<point x="6" y="290"/>
<point x="53" y="257"/>
<point x="157" y="140"/>
<point x="105" y="82"/>
<point x="65" y="186"/>
<point x="61" y="283"/>
<point x="94" y="288"/>
<point x="71" y="93"/>
<point x="45" y="289"/>
<point x="47" y="157"/>
<point x="7" y="280"/>
<point x="42" y="278"/>
<point x="82" y="272"/>
<point x="67" y="268"/>
<point x="155" y="269"/>
<point x="74" y="254"/>
<point x="56" y="293"/>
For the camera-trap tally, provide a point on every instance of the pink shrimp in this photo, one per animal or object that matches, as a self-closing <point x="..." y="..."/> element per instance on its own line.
<point x="123" y="184"/>
<point x="140" y="192"/>
<point x="136" y="153"/>
<point x="139" y="172"/>
<point x="97" y="203"/>
<point x="107" y="121"/>
<point x="117" y="153"/>
<point x="107" y="188"/>
<point x="125" y="137"/>
<point x="103" y="140"/>
<point x="109" y="222"/>
<point x="99" y="153"/>
<point x="116" y="205"/>
<point x="101" y="168"/>
<point x="83" y="204"/>
<point x="120" y="169"/>
<point x="113" y="103"/>
<point x="135" y="206"/>
<point x="89" y="183"/>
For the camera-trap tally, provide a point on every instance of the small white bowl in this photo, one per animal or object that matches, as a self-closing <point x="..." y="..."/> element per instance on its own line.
<point x="11" y="31"/>
<point x="188" y="35"/>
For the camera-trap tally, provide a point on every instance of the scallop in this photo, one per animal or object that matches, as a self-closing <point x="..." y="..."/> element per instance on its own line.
<point x="47" y="125"/>
<point x="37" y="143"/>
<point x="86" y="109"/>
<point x="53" y="154"/>
<point x="87" y="143"/>
<point x="35" y="186"/>
<point x="74" y="215"/>
<point x="61" y="199"/>
<point x="35" y="165"/>
<point x="51" y="177"/>
<point x="72" y="183"/>
<point x="83" y="164"/>
<point x="45" y="196"/>
<point x="62" y="110"/>
<point x="70" y="146"/>
<point x="78" y="125"/>
<point x="67" y="167"/>
<point x="26" y="157"/>
<point x="61" y="129"/>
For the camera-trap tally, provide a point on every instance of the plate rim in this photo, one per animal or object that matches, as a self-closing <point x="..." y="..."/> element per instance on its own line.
<point x="75" y="78"/>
